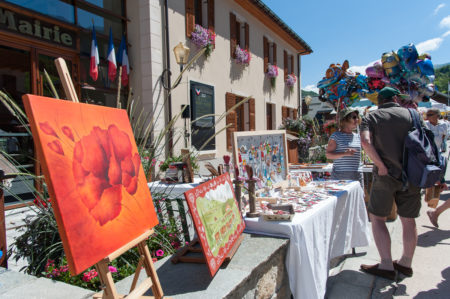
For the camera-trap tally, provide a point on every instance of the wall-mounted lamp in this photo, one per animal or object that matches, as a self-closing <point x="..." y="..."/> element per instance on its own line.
<point x="308" y="100"/>
<point x="181" y="54"/>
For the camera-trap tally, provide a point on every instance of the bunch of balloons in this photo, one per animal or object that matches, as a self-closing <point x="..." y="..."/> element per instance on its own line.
<point x="341" y="87"/>
<point x="406" y="70"/>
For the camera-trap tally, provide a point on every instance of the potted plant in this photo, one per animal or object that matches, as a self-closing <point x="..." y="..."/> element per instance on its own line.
<point x="272" y="74"/>
<point x="242" y="56"/>
<point x="204" y="38"/>
<point x="329" y="127"/>
<point x="290" y="81"/>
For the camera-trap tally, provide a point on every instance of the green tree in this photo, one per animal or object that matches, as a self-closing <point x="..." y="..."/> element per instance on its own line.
<point x="442" y="77"/>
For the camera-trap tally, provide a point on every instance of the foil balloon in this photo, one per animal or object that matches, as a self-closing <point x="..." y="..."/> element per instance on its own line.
<point x="408" y="56"/>
<point x="375" y="71"/>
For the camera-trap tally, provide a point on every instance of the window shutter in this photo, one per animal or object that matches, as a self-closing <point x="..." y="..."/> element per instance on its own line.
<point x="274" y="53"/>
<point x="247" y="37"/>
<point x="211" y="15"/>
<point x="190" y="17"/>
<point x="285" y="65"/>
<point x="292" y="64"/>
<point x="230" y="119"/>
<point x="251" y="110"/>
<point x="295" y="113"/>
<point x="232" y="35"/>
<point x="266" y="54"/>
<point x="284" y="113"/>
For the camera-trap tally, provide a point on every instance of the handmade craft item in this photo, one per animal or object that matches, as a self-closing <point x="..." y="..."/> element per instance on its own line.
<point x="265" y="152"/>
<point x="95" y="179"/>
<point x="217" y="219"/>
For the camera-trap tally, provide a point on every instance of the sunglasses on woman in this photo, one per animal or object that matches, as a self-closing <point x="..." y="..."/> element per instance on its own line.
<point x="354" y="116"/>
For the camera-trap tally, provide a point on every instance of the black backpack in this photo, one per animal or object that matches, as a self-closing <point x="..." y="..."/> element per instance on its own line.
<point x="423" y="164"/>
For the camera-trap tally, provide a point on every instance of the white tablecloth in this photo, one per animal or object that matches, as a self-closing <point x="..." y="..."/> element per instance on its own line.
<point x="328" y="230"/>
<point x="172" y="190"/>
<point x="327" y="168"/>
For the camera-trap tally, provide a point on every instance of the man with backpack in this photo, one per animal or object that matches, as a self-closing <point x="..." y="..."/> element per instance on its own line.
<point x="383" y="134"/>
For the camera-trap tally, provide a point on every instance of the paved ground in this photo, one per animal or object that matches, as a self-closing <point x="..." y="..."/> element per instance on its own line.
<point x="431" y="264"/>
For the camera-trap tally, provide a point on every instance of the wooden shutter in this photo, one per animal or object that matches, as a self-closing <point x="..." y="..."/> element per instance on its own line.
<point x="284" y="113"/>
<point x="230" y="119"/>
<point x="286" y="68"/>
<point x="251" y="113"/>
<point x="274" y="45"/>
<point x="296" y="113"/>
<point x="211" y="15"/>
<point x="292" y="64"/>
<point x="266" y="54"/>
<point x="232" y="35"/>
<point x="247" y="37"/>
<point x="190" y="17"/>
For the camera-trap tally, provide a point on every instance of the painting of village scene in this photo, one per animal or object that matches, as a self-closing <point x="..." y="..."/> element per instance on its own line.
<point x="216" y="217"/>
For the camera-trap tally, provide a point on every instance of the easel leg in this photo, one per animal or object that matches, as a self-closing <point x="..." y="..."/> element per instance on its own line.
<point x="150" y="269"/>
<point x="109" y="289"/>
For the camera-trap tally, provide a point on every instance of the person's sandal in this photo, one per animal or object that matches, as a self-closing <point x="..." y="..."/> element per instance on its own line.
<point x="402" y="269"/>
<point x="373" y="269"/>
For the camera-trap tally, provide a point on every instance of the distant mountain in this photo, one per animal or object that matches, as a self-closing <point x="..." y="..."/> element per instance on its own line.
<point x="436" y="66"/>
<point x="309" y="93"/>
<point x="442" y="77"/>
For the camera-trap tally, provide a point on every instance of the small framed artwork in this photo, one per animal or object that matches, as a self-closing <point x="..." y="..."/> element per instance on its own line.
<point x="265" y="152"/>
<point x="217" y="219"/>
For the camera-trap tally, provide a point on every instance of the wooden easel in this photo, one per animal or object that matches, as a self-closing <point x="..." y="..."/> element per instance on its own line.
<point x="145" y="259"/>
<point x="193" y="247"/>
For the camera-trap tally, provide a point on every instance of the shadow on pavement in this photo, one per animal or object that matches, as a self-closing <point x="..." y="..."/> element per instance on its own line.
<point x="442" y="290"/>
<point x="356" y="284"/>
<point x="433" y="237"/>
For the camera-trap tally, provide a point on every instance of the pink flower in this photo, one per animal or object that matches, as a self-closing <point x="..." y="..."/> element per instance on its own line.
<point x="154" y="259"/>
<point x="159" y="252"/>
<point x="112" y="269"/>
<point x="88" y="276"/>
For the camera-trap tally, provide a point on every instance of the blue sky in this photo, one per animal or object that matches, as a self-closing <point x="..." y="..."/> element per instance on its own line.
<point x="360" y="31"/>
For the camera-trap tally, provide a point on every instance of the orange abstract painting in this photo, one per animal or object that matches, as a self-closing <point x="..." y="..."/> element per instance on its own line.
<point x="93" y="170"/>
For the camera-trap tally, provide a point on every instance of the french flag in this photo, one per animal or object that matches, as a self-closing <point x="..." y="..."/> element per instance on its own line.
<point x="122" y="59"/>
<point x="112" y="65"/>
<point x="93" y="68"/>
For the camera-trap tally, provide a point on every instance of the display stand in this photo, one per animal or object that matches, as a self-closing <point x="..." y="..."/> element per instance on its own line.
<point x="152" y="281"/>
<point x="182" y="255"/>
<point x="145" y="260"/>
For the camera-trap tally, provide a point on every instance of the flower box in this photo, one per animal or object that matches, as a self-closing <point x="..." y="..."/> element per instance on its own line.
<point x="203" y="38"/>
<point x="242" y="56"/>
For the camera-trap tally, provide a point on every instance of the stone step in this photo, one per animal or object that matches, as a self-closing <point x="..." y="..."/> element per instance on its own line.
<point x="19" y="285"/>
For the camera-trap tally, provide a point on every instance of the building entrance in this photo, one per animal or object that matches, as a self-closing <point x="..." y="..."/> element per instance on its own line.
<point x="22" y="71"/>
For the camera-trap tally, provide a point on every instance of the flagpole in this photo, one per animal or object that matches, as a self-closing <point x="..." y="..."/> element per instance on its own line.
<point x="118" y="104"/>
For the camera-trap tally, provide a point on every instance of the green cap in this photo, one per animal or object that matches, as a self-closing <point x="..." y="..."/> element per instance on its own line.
<point x="346" y="111"/>
<point x="388" y="92"/>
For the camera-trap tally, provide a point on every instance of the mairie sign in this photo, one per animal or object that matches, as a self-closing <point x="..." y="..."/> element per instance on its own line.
<point x="25" y="25"/>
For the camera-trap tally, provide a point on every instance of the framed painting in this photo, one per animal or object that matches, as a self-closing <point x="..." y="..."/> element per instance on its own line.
<point x="217" y="219"/>
<point x="265" y="152"/>
<point x="94" y="175"/>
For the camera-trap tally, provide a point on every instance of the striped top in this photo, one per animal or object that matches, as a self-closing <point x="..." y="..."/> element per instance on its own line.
<point x="343" y="142"/>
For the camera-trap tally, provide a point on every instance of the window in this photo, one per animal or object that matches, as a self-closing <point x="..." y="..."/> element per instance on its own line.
<point x="270" y="53"/>
<point x="53" y="8"/>
<point x="288" y="64"/>
<point x="199" y="12"/>
<point x="239" y="34"/>
<point x="202" y="103"/>
<point x="240" y="119"/>
<point x="270" y="116"/>
<point x="287" y="112"/>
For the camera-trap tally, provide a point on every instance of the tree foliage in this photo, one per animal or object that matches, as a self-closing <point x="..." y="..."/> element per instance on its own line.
<point x="442" y="77"/>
